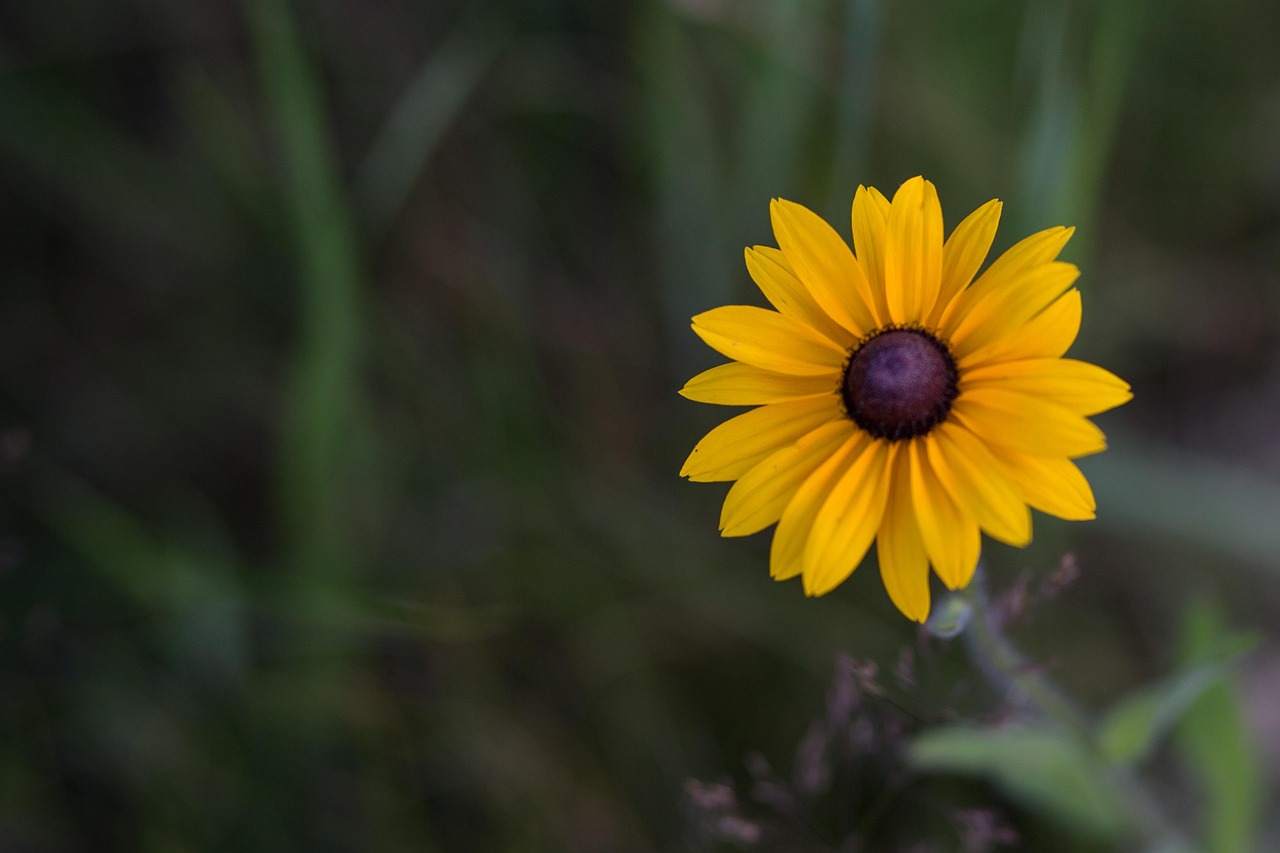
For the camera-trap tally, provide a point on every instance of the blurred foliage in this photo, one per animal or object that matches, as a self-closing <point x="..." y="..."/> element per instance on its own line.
<point x="338" y="430"/>
<point x="1213" y="741"/>
<point x="1041" y="767"/>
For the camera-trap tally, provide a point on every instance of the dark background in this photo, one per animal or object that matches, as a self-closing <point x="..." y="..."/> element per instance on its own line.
<point x="338" y="420"/>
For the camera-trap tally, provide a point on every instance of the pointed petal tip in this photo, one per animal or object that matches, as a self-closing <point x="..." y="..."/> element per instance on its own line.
<point x="1123" y="398"/>
<point x="811" y="590"/>
<point x="818" y="584"/>
<point x="1070" y="272"/>
<point x="689" y="469"/>
<point x="1075" y="516"/>
<point x="1093" y="450"/>
<point x="734" y="526"/>
<point x="912" y="611"/>
<point x="910" y="186"/>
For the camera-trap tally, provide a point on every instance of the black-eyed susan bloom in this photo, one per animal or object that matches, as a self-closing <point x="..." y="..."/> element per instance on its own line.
<point x="899" y="400"/>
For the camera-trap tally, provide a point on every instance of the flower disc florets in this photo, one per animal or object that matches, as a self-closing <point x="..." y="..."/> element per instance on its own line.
<point x="899" y="384"/>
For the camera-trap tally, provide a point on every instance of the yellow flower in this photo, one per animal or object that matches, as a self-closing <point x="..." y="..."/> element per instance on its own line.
<point x="899" y="400"/>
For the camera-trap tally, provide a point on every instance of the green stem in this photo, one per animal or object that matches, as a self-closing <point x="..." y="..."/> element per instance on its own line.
<point x="1013" y="674"/>
<point x="1010" y="672"/>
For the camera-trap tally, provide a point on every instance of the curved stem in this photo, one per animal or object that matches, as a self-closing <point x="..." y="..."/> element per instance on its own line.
<point x="1010" y="672"/>
<point x="1006" y="668"/>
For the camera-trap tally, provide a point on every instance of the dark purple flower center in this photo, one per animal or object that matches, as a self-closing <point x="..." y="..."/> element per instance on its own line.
<point x="899" y="384"/>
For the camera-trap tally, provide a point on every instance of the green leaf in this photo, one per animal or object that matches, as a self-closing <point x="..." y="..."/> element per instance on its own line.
<point x="1134" y="727"/>
<point x="319" y="422"/>
<point x="1045" y="770"/>
<point x="430" y="104"/>
<point x="1213" y="741"/>
<point x="1184" y="498"/>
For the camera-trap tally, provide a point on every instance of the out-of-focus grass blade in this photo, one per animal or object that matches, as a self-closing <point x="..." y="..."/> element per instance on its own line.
<point x="1074" y="113"/>
<point x="194" y="595"/>
<point x="1134" y="727"/>
<point x="322" y="397"/>
<point x="424" y="112"/>
<point x="687" y="170"/>
<point x="1182" y="497"/>
<point x="198" y="594"/>
<point x="855" y="97"/>
<point x="65" y="143"/>
<point x="227" y="141"/>
<point x="1212" y="739"/>
<point x="1048" y="771"/>
<point x="1106" y="79"/>
<point x="779" y="96"/>
<point x="1048" y="146"/>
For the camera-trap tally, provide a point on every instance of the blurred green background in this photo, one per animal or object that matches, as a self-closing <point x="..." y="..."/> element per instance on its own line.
<point x="338" y="424"/>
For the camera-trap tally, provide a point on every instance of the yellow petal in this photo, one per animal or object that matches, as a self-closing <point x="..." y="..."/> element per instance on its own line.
<point x="1027" y="423"/>
<point x="1027" y="254"/>
<point x="977" y="484"/>
<point x="1052" y="485"/>
<point x="1049" y="334"/>
<point x="823" y="261"/>
<point x="737" y="384"/>
<point x="1040" y="248"/>
<point x="963" y="254"/>
<point x="904" y="566"/>
<point x="950" y="537"/>
<point x="913" y="251"/>
<point x="768" y="340"/>
<point x="770" y="271"/>
<point x="846" y="524"/>
<point x="1084" y="388"/>
<point x="1003" y="310"/>
<point x="759" y="497"/>
<point x="737" y="445"/>
<point x="870" y="216"/>
<point x="786" y="554"/>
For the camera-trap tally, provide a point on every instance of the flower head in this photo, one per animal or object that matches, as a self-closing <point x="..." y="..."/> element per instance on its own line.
<point x="899" y="400"/>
